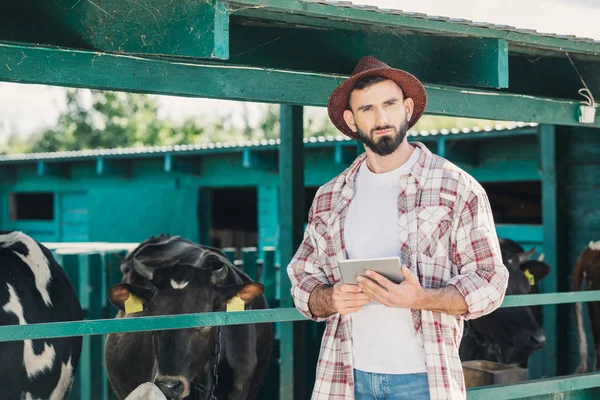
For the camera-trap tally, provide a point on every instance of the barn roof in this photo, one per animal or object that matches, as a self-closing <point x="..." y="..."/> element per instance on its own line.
<point x="219" y="147"/>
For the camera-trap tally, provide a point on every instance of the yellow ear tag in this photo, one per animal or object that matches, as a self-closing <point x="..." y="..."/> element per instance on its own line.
<point x="236" y="304"/>
<point x="133" y="304"/>
<point x="530" y="276"/>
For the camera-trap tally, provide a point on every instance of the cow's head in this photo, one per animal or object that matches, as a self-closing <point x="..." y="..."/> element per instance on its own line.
<point x="515" y="331"/>
<point x="174" y="276"/>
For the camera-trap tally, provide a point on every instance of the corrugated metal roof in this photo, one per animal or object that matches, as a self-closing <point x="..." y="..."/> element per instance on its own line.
<point x="349" y="4"/>
<point x="161" y="150"/>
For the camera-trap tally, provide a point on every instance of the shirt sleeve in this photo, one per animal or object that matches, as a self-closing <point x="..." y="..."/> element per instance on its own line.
<point x="306" y="269"/>
<point x="482" y="277"/>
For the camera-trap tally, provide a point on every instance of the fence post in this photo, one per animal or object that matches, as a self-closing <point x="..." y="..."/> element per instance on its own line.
<point x="249" y="258"/>
<point x="230" y="253"/>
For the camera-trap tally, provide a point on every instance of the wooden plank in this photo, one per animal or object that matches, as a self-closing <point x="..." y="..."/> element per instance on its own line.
<point x="551" y="356"/>
<point x="181" y="28"/>
<point x="182" y="165"/>
<point x="531" y="74"/>
<point x="267" y="160"/>
<point x="112" y="167"/>
<point x="52" y="169"/>
<point x="30" y="64"/>
<point x="554" y="388"/>
<point x="291" y="218"/>
<point x="322" y="13"/>
<point x="474" y="62"/>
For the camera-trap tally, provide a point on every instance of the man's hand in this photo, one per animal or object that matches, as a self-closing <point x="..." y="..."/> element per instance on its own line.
<point x="410" y="294"/>
<point x="406" y="294"/>
<point x="341" y="298"/>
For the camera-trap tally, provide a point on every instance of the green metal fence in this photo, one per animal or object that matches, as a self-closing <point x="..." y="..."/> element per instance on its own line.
<point x="94" y="268"/>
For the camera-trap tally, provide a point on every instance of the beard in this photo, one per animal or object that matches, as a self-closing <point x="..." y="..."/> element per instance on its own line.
<point x="387" y="144"/>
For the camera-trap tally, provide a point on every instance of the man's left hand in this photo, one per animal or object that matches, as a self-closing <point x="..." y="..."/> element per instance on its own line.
<point x="407" y="294"/>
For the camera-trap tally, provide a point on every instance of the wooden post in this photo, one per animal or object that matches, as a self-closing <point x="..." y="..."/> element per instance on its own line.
<point x="291" y="209"/>
<point x="547" y="142"/>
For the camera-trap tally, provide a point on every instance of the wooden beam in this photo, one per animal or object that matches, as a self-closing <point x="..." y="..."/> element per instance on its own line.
<point x="473" y="62"/>
<point x="321" y="14"/>
<point x="267" y="161"/>
<point x="30" y="64"/>
<point x="531" y="74"/>
<point x="553" y="360"/>
<point x="180" y="164"/>
<point x="50" y="169"/>
<point x="113" y="167"/>
<point x="291" y="222"/>
<point x="180" y="28"/>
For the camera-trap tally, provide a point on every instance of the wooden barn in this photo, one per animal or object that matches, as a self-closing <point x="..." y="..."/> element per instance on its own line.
<point x="542" y="178"/>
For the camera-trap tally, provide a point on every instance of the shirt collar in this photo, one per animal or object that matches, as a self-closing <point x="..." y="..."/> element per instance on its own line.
<point x="419" y="171"/>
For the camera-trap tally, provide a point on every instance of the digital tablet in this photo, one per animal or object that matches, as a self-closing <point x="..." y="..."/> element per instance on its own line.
<point x="389" y="267"/>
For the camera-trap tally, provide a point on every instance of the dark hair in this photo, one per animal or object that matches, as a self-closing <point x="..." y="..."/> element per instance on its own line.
<point x="366" y="82"/>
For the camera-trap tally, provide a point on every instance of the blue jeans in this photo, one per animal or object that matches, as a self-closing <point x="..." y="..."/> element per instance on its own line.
<point x="369" y="386"/>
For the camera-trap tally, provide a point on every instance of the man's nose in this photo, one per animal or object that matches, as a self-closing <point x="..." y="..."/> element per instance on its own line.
<point x="381" y="117"/>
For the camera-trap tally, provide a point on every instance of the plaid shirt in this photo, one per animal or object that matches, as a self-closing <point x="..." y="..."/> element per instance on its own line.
<point x="451" y="240"/>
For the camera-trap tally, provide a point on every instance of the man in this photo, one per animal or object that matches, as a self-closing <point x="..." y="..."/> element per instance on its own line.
<point x="396" y="341"/>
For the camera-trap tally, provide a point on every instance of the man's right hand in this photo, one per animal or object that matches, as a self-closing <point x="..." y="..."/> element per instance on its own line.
<point x="341" y="298"/>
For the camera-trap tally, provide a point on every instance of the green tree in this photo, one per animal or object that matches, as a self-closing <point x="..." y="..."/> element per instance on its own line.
<point x="115" y="119"/>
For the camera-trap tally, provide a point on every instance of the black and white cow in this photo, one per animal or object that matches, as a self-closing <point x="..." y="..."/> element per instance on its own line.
<point x="35" y="289"/>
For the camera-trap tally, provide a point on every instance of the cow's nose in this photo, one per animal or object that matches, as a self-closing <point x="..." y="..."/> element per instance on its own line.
<point x="539" y="340"/>
<point x="172" y="388"/>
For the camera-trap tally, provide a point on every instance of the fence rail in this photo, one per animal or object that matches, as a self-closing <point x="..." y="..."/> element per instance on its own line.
<point x="93" y="267"/>
<point x="182" y="321"/>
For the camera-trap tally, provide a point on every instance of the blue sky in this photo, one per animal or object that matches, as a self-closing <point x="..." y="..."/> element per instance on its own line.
<point x="24" y="108"/>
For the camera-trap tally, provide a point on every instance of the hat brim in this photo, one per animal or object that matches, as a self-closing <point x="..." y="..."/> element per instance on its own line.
<point x="411" y="87"/>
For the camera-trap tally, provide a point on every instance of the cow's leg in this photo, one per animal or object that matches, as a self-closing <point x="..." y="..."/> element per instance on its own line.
<point x="594" y="311"/>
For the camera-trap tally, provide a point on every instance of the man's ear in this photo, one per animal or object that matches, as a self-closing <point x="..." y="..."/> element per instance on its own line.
<point x="119" y="294"/>
<point x="349" y="118"/>
<point x="248" y="292"/>
<point x="409" y="105"/>
<point x="538" y="269"/>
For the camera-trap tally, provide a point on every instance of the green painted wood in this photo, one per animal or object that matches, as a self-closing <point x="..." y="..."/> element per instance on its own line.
<point x="92" y="268"/>
<point x="268" y="277"/>
<point x="230" y="253"/>
<point x="198" y="29"/>
<point x="46" y="169"/>
<point x="530" y="74"/>
<point x="291" y="217"/>
<point x="205" y="219"/>
<point x="100" y="71"/>
<point x="344" y="154"/>
<point x="112" y="167"/>
<point x="319" y="13"/>
<point x="550" y="215"/>
<point x="139" y="324"/>
<point x="462" y="61"/>
<point x="508" y="171"/>
<point x="550" y="298"/>
<point x="553" y="388"/>
<point x="260" y="159"/>
<point x="184" y="165"/>
<point x="249" y="258"/>
<point x="286" y="314"/>
<point x="521" y="233"/>
<point x="268" y="217"/>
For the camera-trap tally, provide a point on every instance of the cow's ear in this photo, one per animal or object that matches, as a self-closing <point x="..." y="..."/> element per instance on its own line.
<point x="538" y="269"/>
<point x="247" y="292"/>
<point x="125" y="295"/>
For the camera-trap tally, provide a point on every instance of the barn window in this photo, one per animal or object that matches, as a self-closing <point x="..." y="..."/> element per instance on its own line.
<point x="234" y="217"/>
<point x="31" y="206"/>
<point x="515" y="202"/>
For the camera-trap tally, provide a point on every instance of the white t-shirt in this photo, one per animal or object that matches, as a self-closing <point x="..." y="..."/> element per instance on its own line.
<point x="383" y="338"/>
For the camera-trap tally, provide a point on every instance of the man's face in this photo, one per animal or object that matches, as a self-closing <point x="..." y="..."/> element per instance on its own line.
<point x="379" y="116"/>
